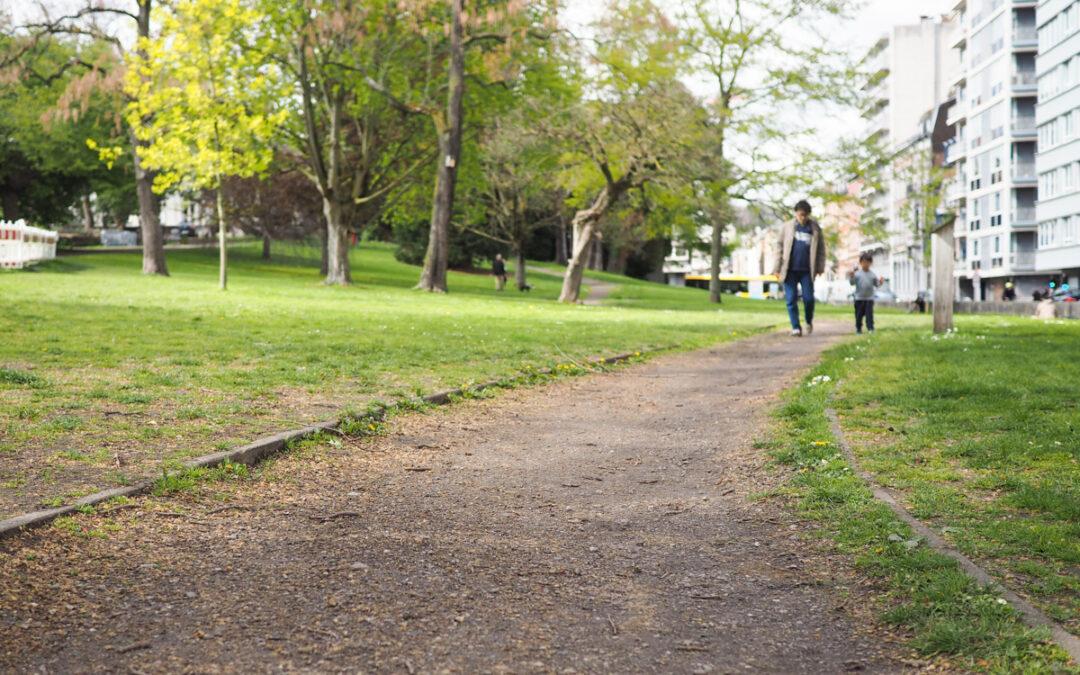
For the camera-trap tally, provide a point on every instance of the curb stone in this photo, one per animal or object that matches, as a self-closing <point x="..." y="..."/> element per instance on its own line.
<point x="255" y="452"/>
<point x="1032" y="615"/>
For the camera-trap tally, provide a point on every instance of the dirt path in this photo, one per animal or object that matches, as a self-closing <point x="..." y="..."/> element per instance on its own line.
<point x="601" y="524"/>
<point x="598" y="290"/>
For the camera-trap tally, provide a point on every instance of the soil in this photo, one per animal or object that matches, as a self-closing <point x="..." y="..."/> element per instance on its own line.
<point x="597" y="524"/>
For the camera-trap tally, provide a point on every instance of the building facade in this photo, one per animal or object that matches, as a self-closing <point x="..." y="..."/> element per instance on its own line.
<point x="911" y="70"/>
<point x="993" y="153"/>
<point x="1058" y="160"/>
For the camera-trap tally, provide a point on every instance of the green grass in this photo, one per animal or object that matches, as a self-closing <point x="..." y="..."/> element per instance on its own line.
<point x="976" y="431"/>
<point x="125" y="373"/>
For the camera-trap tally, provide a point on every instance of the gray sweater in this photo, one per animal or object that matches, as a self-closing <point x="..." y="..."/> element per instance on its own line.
<point x="865" y="284"/>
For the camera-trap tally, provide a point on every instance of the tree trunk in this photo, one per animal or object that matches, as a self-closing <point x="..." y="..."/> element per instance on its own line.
<point x="223" y="251"/>
<point x="596" y="260"/>
<point x="575" y="269"/>
<point x="436" y="260"/>
<point x="560" y="241"/>
<point x="153" y="240"/>
<point x="337" y="245"/>
<point x="266" y="246"/>
<point x="87" y="214"/>
<point x="11" y="205"/>
<point x="618" y="259"/>
<point x="337" y="235"/>
<point x="519" y="267"/>
<point x="324" y="257"/>
<point x="715" y="252"/>
<point x="584" y="229"/>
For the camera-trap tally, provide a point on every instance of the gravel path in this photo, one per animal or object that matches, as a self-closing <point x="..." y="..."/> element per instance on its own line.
<point x="599" y="524"/>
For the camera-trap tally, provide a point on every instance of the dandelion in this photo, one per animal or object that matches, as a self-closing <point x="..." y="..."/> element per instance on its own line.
<point x="820" y="443"/>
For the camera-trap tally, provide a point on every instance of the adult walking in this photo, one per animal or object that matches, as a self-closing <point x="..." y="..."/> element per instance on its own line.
<point x="498" y="270"/>
<point x="802" y="258"/>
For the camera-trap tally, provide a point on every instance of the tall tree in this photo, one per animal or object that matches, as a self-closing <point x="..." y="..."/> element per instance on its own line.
<point x="110" y="21"/>
<point x="766" y="57"/>
<point x="633" y="127"/>
<point x="204" y="101"/>
<point x="453" y="41"/>
<point x="356" y="147"/>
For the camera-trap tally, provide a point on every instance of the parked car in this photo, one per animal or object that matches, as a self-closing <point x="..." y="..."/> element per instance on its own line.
<point x="186" y="231"/>
<point x="884" y="294"/>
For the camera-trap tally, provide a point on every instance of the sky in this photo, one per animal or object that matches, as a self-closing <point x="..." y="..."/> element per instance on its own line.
<point x="856" y="36"/>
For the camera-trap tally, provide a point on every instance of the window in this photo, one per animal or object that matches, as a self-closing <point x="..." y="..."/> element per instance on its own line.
<point x="975" y="248"/>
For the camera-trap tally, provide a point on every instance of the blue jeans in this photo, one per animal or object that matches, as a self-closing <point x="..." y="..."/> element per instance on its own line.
<point x="791" y="293"/>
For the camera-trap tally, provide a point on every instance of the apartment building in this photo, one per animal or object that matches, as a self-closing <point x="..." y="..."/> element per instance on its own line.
<point x="1058" y="160"/>
<point x="994" y="149"/>
<point x="910" y="69"/>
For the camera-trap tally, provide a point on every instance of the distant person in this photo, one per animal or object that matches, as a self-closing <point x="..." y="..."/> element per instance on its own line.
<point x="866" y="284"/>
<point x="1036" y="295"/>
<point x="498" y="269"/>
<point x="802" y="258"/>
<point x="919" y="304"/>
<point x="1010" y="291"/>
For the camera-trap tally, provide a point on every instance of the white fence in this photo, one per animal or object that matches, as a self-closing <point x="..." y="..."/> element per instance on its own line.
<point x="22" y="245"/>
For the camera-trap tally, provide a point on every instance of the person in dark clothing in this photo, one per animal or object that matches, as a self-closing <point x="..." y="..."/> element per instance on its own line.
<point x="802" y="258"/>
<point x="498" y="269"/>
<point x="866" y="284"/>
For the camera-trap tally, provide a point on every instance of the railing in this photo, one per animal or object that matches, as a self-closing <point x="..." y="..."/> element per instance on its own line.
<point x="1024" y="34"/>
<point x="22" y="245"/>
<point x="1024" y="171"/>
<point x="1023" y="214"/>
<point x="1022" y="260"/>
<point x="955" y="151"/>
<point x="1025" y="123"/>
<point x="1025" y="78"/>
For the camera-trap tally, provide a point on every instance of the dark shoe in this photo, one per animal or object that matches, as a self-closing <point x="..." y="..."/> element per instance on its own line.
<point x="809" y="329"/>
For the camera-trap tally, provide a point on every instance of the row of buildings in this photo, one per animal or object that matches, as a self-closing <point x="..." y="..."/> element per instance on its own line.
<point x="978" y="111"/>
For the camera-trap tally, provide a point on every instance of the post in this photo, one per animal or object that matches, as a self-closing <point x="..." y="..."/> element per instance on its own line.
<point x="941" y="246"/>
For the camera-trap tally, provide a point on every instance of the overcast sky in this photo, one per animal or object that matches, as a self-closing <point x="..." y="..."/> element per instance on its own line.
<point x="856" y="35"/>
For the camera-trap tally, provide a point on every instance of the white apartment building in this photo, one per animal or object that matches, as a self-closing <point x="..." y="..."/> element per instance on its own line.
<point x="994" y="190"/>
<point x="911" y="68"/>
<point x="1058" y="159"/>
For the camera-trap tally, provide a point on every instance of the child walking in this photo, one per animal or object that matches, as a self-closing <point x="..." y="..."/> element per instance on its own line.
<point x="865" y="283"/>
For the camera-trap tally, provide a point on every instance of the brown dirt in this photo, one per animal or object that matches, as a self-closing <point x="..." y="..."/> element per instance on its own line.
<point x="597" y="524"/>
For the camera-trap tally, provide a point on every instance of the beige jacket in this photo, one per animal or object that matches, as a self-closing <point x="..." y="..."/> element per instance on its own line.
<point x="817" y="249"/>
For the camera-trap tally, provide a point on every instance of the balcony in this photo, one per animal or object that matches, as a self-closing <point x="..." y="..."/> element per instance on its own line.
<point x="1024" y="172"/>
<point x="956" y="113"/>
<point x="1024" y="125"/>
<point x="1025" y="81"/>
<point x="1022" y="260"/>
<point x="1023" y="216"/>
<point x="955" y="152"/>
<point x="1025" y="37"/>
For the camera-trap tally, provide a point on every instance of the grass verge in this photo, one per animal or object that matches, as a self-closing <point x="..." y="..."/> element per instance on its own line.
<point x="107" y="375"/>
<point x="946" y="613"/>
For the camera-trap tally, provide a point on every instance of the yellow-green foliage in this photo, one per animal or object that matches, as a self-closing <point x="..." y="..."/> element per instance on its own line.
<point x="204" y="97"/>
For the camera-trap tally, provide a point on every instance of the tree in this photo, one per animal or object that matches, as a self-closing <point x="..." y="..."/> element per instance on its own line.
<point x="108" y="21"/>
<point x="454" y="43"/>
<point x="519" y="166"/>
<point x="355" y="147"/>
<point x="762" y="55"/>
<point x="203" y="101"/>
<point x="279" y="207"/>
<point x="45" y="167"/>
<point x="633" y="123"/>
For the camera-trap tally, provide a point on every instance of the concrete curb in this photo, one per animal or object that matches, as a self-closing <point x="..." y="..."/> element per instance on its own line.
<point x="1031" y="614"/>
<point x="256" y="451"/>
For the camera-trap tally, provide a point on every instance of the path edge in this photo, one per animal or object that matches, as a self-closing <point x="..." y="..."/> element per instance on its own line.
<point x="261" y="449"/>
<point x="1032" y="615"/>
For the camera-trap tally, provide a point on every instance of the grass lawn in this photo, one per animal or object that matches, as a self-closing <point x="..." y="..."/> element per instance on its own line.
<point x="106" y="375"/>
<point x="978" y="432"/>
